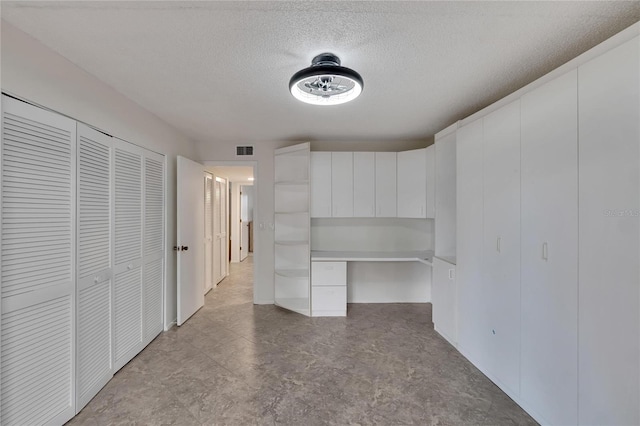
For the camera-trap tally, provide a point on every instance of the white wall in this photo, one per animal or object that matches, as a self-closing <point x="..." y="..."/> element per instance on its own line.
<point x="33" y="72"/>
<point x="263" y="219"/>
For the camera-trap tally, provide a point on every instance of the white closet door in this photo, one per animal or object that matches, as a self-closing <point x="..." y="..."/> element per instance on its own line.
<point x="208" y="232"/>
<point x="501" y="243"/>
<point x="472" y="298"/>
<point x="153" y="262"/>
<point x="549" y="187"/>
<point x="220" y="224"/>
<point x="94" y="288"/>
<point x="127" y="270"/>
<point x="385" y="184"/>
<point x="609" y="316"/>
<point x="37" y="326"/>
<point x="342" y="184"/>
<point x="364" y="179"/>
<point x="320" y="184"/>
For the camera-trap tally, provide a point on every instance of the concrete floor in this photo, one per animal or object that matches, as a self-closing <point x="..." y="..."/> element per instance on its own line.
<point x="234" y="363"/>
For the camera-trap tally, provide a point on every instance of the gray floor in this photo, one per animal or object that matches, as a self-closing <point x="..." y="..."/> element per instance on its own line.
<point x="234" y="363"/>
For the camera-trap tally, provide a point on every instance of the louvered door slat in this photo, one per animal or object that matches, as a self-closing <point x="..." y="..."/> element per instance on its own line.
<point x="153" y="281"/>
<point x="37" y="276"/>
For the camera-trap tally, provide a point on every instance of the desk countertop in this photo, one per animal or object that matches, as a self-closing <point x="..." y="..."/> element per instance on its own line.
<point x="423" y="256"/>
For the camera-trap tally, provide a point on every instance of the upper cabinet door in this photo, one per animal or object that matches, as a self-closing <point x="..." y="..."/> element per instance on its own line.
<point x="385" y="184"/>
<point x="501" y="246"/>
<point x="550" y="250"/>
<point x="342" y="184"/>
<point x="364" y="184"/>
<point x="320" y="184"/>
<point x="609" y="129"/>
<point x="412" y="183"/>
<point x="430" y="153"/>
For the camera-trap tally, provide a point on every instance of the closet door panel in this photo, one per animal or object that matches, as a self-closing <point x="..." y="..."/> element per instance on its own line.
<point x="153" y="269"/>
<point x="501" y="242"/>
<point x="550" y="249"/>
<point x="609" y="321"/>
<point x="127" y="270"/>
<point x="472" y="298"/>
<point x="412" y="183"/>
<point x="94" y="292"/>
<point x="37" y="324"/>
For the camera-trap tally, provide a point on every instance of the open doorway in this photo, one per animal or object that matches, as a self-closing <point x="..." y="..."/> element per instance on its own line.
<point x="230" y="192"/>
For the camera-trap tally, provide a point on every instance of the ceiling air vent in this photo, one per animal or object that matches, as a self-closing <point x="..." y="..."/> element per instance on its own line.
<point x="244" y="150"/>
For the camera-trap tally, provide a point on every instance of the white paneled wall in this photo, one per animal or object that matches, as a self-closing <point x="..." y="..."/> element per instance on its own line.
<point x="82" y="254"/>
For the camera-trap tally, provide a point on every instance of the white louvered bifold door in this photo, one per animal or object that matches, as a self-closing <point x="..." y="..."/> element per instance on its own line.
<point x="37" y="254"/>
<point x="153" y="261"/>
<point x="94" y="289"/>
<point x="127" y="239"/>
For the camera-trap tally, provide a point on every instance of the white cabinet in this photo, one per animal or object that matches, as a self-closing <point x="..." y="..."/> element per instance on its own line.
<point x="364" y="197"/>
<point x="329" y="289"/>
<point x="445" y="195"/>
<point x="549" y="276"/>
<point x="609" y="202"/>
<point x="444" y="299"/>
<point x="501" y="242"/>
<point x="320" y="184"/>
<point x="412" y="183"/>
<point x="342" y="184"/>
<point x="430" y="170"/>
<point x="472" y="313"/>
<point x="385" y="184"/>
<point x="292" y="224"/>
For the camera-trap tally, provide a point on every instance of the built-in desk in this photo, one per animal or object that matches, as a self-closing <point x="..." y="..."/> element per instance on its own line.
<point x="424" y="256"/>
<point x="329" y="275"/>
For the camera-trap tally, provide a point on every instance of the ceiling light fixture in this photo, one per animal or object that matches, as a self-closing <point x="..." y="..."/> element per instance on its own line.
<point x="325" y="82"/>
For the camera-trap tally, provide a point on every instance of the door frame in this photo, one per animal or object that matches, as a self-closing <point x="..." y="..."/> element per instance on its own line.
<point x="256" y="210"/>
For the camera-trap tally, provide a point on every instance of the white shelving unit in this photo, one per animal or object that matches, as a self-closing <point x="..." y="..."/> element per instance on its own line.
<point x="292" y="228"/>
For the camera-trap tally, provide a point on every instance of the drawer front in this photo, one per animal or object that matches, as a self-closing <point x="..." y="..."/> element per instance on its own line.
<point x="329" y="273"/>
<point x="329" y="298"/>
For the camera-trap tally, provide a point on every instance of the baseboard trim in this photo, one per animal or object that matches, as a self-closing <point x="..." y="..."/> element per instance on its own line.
<point x="168" y="327"/>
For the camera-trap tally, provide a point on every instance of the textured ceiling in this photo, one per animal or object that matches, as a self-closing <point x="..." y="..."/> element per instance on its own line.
<point x="219" y="71"/>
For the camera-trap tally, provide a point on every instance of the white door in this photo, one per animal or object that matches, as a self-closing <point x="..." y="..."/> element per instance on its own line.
<point x="501" y="242"/>
<point x="37" y="332"/>
<point x="189" y="241"/>
<point x="412" y="183"/>
<point x="208" y="232"/>
<point x="321" y="184"/>
<point x="609" y="204"/>
<point x="550" y="250"/>
<point x="220" y="234"/>
<point x="94" y="286"/>
<point x="244" y="223"/>
<point x="443" y="296"/>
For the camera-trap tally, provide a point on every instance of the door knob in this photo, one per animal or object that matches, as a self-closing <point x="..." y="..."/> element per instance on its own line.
<point x="184" y="248"/>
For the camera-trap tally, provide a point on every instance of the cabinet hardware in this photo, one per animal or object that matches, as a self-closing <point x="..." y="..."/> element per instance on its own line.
<point x="184" y="248"/>
<point x="545" y="251"/>
<point x="498" y="244"/>
<point x="450" y="274"/>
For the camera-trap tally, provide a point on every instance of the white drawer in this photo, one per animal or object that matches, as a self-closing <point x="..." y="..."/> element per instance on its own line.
<point x="329" y="301"/>
<point x="329" y="273"/>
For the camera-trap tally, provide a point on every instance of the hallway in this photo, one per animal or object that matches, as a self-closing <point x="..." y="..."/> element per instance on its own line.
<point x="234" y="363"/>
